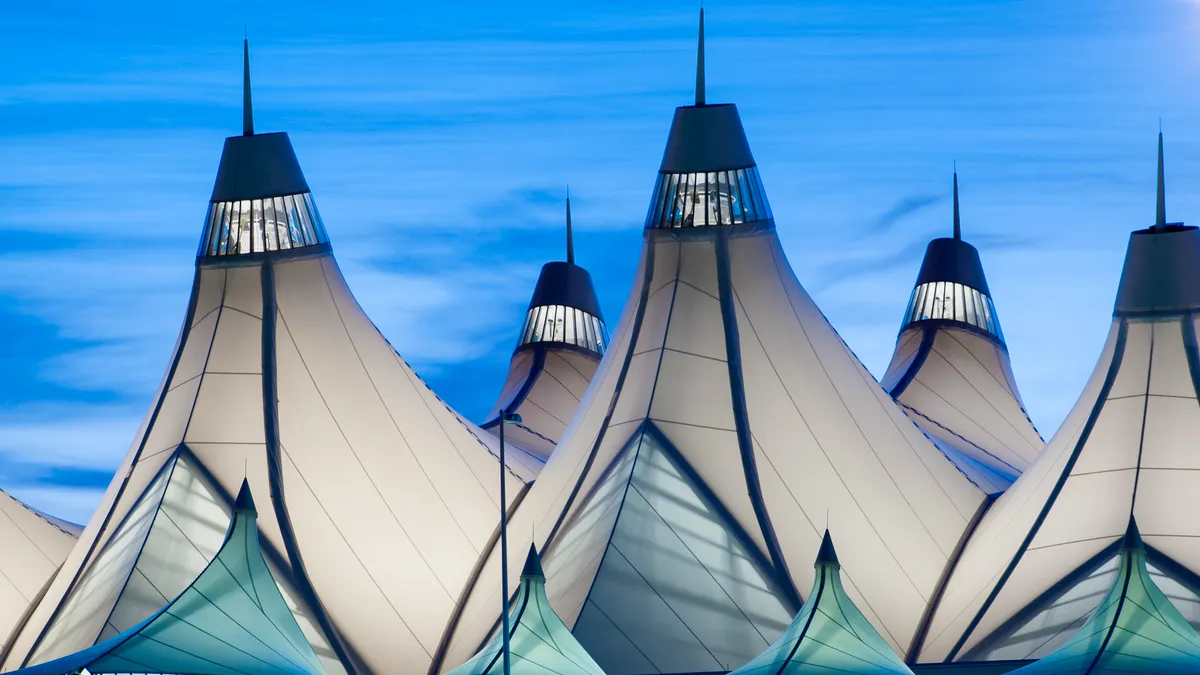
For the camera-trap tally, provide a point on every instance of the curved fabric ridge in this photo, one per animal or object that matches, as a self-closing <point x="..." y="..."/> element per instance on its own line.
<point x="951" y="371"/>
<point x="1135" y="628"/>
<point x="544" y="386"/>
<point x="560" y="346"/>
<point x="539" y="642"/>
<point x="829" y="634"/>
<point x="231" y="620"/>
<point x="962" y="393"/>
<point x="382" y="499"/>
<point x="677" y="513"/>
<point x="34" y="545"/>
<point x="1126" y="449"/>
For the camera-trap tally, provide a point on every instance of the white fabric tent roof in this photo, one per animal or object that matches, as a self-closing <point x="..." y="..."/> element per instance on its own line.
<point x="679" y="514"/>
<point x="1126" y="449"/>
<point x="963" y="394"/>
<point x="544" y="386"/>
<point x="34" y="545"/>
<point x="382" y="499"/>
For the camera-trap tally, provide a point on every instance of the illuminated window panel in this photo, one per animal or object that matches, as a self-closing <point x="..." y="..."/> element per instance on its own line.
<point x="262" y="226"/>
<point x="708" y="199"/>
<point x="950" y="301"/>
<point x="565" y="325"/>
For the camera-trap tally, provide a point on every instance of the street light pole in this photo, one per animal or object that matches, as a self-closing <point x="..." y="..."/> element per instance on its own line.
<point x="505" y="419"/>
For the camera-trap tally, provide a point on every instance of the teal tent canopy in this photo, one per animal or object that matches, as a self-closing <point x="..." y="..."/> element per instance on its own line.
<point x="828" y="635"/>
<point x="539" y="642"/>
<point x="1134" y="629"/>
<point x="231" y="620"/>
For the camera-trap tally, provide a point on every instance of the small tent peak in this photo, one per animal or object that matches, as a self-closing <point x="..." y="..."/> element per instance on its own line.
<point x="826" y="555"/>
<point x="957" y="225"/>
<point x="1160" y="215"/>
<point x="533" y="565"/>
<point x="244" y="501"/>
<point x="570" y="238"/>
<point x="700" y="62"/>
<point x="1133" y="538"/>
<point x="247" y="108"/>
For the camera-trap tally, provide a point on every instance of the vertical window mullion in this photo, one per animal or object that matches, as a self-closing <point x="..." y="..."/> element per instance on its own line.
<point x="235" y="228"/>
<point x="315" y="218"/>
<point x="748" y="215"/>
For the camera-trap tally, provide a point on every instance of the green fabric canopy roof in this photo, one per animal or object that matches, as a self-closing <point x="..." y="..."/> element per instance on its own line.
<point x="539" y="643"/>
<point x="828" y="635"/>
<point x="1135" y="628"/>
<point x="232" y="620"/>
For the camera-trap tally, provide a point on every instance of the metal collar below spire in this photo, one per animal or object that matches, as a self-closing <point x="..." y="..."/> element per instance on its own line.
<point x="247" y="108"/>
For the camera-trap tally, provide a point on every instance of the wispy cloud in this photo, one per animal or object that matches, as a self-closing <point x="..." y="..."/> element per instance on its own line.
<point x="439" y="141"/>
<point x="906" y="207"/>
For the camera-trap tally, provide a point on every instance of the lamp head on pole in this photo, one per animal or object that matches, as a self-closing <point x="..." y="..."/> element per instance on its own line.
<point x="510" y="417"/>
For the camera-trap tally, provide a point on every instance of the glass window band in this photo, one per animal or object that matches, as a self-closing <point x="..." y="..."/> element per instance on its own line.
<point x="564" y="325"/>
<point x="708" y="199"/>
<point x="950" y="301"/>
<point x="262" y="226"/>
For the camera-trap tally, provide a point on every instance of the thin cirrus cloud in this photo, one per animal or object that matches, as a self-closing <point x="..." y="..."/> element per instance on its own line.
<point x="439" y="145"/>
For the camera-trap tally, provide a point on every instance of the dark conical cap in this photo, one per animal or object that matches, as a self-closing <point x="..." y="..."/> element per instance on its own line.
<point x="533" y="565"/>
<point x="826" y="555"/>
<point x="706" y="137"/>
<point x="1162" y="263"/>
<point x="1132" y="539"/>
<point x="565" y="283"/>
<point x="952" y="259"/>
<point x="254" y="166"/>
<point x="244" y="501"/>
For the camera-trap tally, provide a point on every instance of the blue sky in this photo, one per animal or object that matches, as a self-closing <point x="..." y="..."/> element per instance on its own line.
<point x="439" y="138"/>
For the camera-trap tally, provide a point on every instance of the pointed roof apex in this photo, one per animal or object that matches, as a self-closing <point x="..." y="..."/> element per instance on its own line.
<point x="533" y="565"/>
<point x="1132" y="538"/>
<point x="826" y="555"/>
<point x="957" y="226"/>
<point x="1160" y="217"/>
<point x="247" y="108"/>
<point x="244" y="501"/>
<point x="700" y="62"/>
<point x="570" y="239"/>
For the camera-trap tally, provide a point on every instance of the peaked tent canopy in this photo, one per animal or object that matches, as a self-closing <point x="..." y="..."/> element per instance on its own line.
<point x="1135" y="629"/>
<point x="34" y="545"/>
<point x="828" y="635"/>
<point x="1126" y="449"/>
<point x="382" y="500"/>
<point x="561" y="343"/>
<point x="678" y="512"/>
<point x="539" y="642"/>
<point x="231" y="620"/>
<point x="951" y="370"/>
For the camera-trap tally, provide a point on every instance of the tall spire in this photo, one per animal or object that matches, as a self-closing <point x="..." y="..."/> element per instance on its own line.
<point x="570" y="239"/>
<point x="1160" y="218"/>
<point x="247" y="108"/>
<point x="700" y="62"/>
<point x="957" y="226"/>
